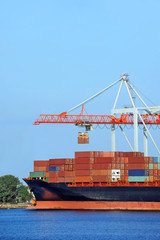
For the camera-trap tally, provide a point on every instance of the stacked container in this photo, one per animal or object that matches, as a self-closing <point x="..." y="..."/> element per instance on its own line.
<point x="99" y="167"/>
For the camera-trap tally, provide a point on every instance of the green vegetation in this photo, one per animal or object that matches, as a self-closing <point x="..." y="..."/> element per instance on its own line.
<point x="13" y="191"/>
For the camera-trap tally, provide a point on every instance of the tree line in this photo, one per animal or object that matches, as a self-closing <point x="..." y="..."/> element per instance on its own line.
<point x="13" y="191"/>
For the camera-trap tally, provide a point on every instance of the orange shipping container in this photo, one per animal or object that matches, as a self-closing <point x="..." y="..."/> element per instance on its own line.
<point x="150" y="178"/>
<point x="100" y="172"/>
<point x="126" y="178"/>
<point x="150" y="159"/>
<point x="155" y="165"/>
<point x="125" y="160"/>
<point x="113" y="165"/>
<point x="99" y="179"/>
<point x="69" y="161"/>
<point x="98" y="154"/>
<point x="82" y="173"/>
<point x="146" y="160"/>
<point x="83" y="179"/>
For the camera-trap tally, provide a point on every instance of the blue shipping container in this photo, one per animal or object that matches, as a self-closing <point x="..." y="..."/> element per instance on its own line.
<point x="54" y="169"/>
<point x="155" y="159"/>
<point x="137" y="172"/>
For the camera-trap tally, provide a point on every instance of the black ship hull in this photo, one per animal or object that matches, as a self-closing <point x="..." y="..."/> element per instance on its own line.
<point x="44" y="191"/>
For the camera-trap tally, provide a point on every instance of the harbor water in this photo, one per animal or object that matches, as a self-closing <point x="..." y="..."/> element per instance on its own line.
<point x="18" y="224"/>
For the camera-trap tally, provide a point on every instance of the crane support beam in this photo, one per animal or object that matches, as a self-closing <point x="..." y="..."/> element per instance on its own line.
<point x="98" y="119"/>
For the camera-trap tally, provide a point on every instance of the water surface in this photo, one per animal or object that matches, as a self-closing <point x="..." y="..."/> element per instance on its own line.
<point x="22" y="224"/>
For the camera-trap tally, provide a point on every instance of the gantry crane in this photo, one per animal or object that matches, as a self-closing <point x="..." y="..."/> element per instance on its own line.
<point x="133" y="115"/>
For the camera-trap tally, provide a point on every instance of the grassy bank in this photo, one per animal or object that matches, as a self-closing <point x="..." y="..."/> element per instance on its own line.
<point x="13" y="206"/>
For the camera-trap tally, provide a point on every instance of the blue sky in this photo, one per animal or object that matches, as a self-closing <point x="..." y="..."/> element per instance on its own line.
<point x="55" y="54"/>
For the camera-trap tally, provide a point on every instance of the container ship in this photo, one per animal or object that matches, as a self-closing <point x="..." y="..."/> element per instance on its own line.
<point x="97" y="180"/>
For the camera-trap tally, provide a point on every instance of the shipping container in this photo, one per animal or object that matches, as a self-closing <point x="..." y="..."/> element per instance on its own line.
<point x="138" y="178"/>
<point x="137" y="172"/>
<point x="37" y="174"/>
<point x="102" y="160"/>
<point x="138" y="160"/>
<point x="84" y="166"/>
<point x="69" y="173"/>
<point x="158" y="166"/>
<point x="41" y="163"/>
<point x="52" y="180"/>
<point x="82" y="173"/>
<point x="99" y="172"/>
<point x="83" y="179"/>
<point x="150" y="165"/>
<point x="155" y="159"/>
<point x="84" y="154"/>
<point x="155" y="165"/>
<point x="69" y="179"/>
<point x="84" y="160"/>
<point x="54" y="169"/>
<point x="99" y="178"/>
<point x="100" y="166"/>
<point x="41" y="169"/>
<point x="57" y="161"/>
<point x="133" y="166"/>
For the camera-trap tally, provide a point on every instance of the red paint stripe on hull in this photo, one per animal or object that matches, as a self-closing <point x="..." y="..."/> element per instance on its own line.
<point x="97" y="205"/>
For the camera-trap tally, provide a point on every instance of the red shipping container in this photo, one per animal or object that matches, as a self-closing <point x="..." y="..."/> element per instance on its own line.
<point x="60" y="179"/>
<point x="135" y="166"/>
<point x="47" y="174"/>
<point x="99" y="179"/>
<point x="69" y="161"/>
<point x="155" y="172"/>
<point x="136" y="160"/>
<point x="155" y="178"/>
<point x="61" y="174"/>
<point x="118" y="166"/>
<point x="150" y="159"/>
<point x="125" y="159"/>
<point x="82" y="173"/>
<point x="113" y="166"/>
<point x="146" y="159"/>
<point x="82" y="167"/>
<point x="104" y="160"/>
<point x="69" y="174"/>
<point x="108" y="178"/>
<point x="158" y="172"/>
<point x="100" y="166"/>
<point x="126" y="166"/>
<point x="60" y="161"/>
<point x="126" y="178"/>
<point x="117" y="160"/>
<point x="129" y="154"/>
<point x="109" y="166"/>
<point x="98" y="154"/>
<point x="69" y="179"/>
<point x="126" y="172"/>
<point x="111" y="154"/>
<point x="53" y="174"/>
<point x="41" y="169"/>
<point x="83" y="179"/>
<point x="84" y="160"/>
<point x="66" y="167"/>
<point x="109" y="172"/>
<point x="41" y="163"/>
<point x="84" y="154"/>
<point x="122" y="172"/>
<point x="150" y="172"/>
<point x="52" y="180"/>
<point x="121" y="159"/>
<point x="70" y="167"/>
